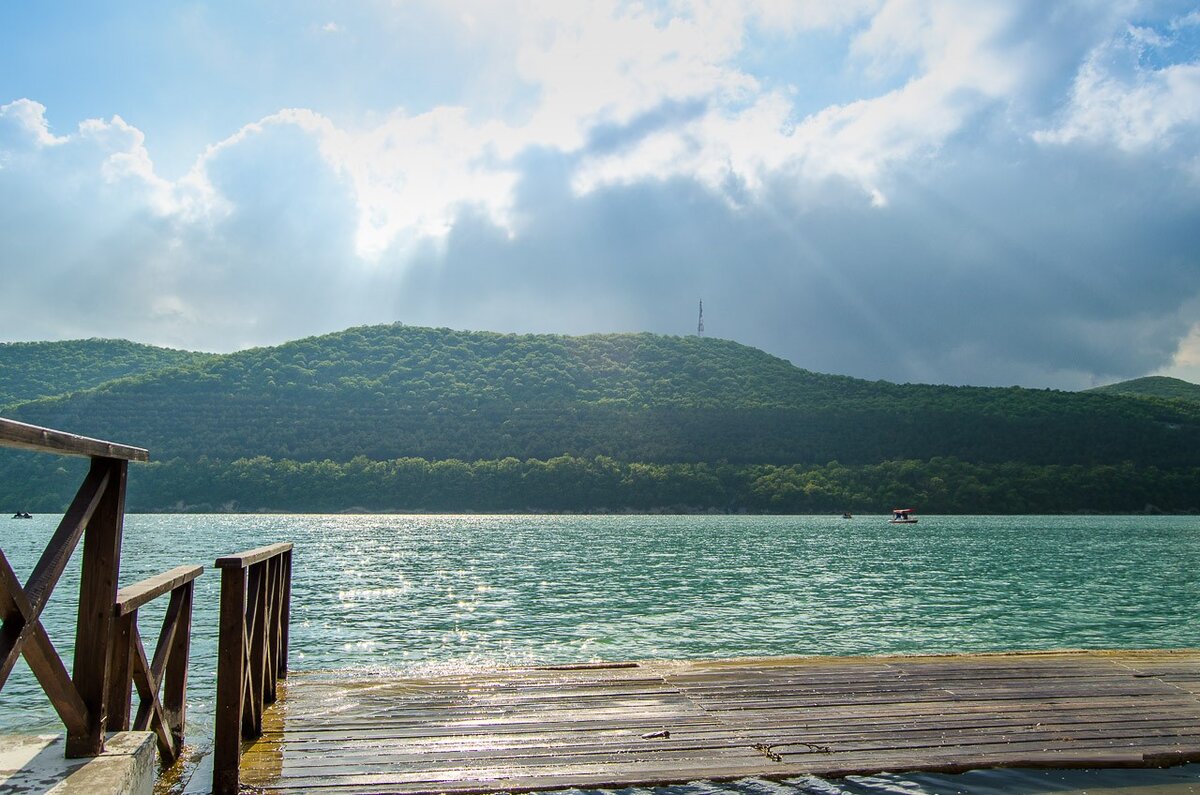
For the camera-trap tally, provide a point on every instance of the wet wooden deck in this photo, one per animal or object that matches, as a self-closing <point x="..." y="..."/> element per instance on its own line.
<point x="668" y="722"/>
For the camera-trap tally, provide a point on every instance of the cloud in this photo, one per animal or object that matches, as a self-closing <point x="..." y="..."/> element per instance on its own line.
<point x="249" y="246"/>
<point x="1185" y="363"/>
<point x="954" y="63"/>
<point x="23" y="124"/>
<point x="1118" y="100"/>
<point x="995" y="192"/>
<point x="973" y="273"/>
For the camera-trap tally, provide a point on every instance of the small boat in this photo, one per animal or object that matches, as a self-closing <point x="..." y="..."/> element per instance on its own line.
<point x="903" y="516"/>
<point x="22" y="515"/>
<point x="847" y="515"/>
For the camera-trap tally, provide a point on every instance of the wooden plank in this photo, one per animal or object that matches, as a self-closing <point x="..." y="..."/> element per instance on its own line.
<point x="528" y="729"/>
<point x="345" y="754"/>
<point x="120" y="675"/>
<point x="131" y="597"/>
<point x="244" y="559"/>
<point x="97" y="594"/>
<point x="480" y="750"/>
<point x="231" y="680"/>
<point x="46" y="440"/>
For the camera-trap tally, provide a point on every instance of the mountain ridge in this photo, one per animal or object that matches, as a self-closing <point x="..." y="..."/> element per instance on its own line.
<point x="1154" y="386"/>
<point x="392" y="393"/>
<point x="33" y="370"/>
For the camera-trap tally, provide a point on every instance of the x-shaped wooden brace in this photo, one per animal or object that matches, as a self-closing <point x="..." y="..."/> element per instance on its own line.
<point x="163" y="715"/>
<point x="21" y="607"/>
<point x="257" y="660"/>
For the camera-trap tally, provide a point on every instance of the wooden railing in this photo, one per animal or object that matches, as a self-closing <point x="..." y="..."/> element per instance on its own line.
<point x="168" y="671"/>
<point x="256" y="589"/>
<point x="88" y="699"/>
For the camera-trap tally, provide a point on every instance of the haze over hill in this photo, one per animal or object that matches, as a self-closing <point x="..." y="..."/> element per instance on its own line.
<point x="376" y="394"/>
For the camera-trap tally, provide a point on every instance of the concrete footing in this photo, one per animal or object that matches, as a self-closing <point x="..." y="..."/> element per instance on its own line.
<point x="35" y="764"/>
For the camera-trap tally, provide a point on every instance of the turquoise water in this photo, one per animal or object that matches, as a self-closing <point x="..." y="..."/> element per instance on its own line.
<point x="440" y="593"/>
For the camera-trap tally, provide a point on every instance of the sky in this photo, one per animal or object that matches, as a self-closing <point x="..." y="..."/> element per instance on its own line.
<point x="991" y="192"/>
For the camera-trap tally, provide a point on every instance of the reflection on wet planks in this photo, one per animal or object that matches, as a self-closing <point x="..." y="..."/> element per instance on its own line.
<point x="669" y="722"/>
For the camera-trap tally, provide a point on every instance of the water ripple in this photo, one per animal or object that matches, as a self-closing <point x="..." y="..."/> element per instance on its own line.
<point x="436" y="594"/>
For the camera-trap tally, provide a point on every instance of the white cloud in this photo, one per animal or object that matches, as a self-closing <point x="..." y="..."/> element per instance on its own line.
<point x="311" y="218"/>
<point x="793" y="15"/>
<point x="1186" y="362"/>
<point x="1118" y="101"/>
<point x="411" y="175"/>
<point x="111" y="152"/>
<point x="27" y="125"/>
<point x="961" y="70"/>
<point x="126" y="161"/>
<point x="414" y="175"/>
<point x="605" y="63"/>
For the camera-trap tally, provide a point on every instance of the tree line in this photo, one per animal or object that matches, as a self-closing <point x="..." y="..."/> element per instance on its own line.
<point x="403" y="418"/>
<point x="603" y="484"/>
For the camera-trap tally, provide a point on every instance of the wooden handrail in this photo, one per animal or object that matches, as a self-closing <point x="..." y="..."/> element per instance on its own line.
<point x="165" y="715"/>
<point x="252" y="646"/>
<point x="250" y="557"/>
<point x="46" y="440"/>
<point x="96" y="517"/>
<point x="131" y="597"/>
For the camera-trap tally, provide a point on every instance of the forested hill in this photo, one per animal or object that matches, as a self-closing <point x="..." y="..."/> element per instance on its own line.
<point x="1156" y="386"/>
<point x="30" y="370"/>
<point x="405" y="418"/>
<point x="393" y="391"/>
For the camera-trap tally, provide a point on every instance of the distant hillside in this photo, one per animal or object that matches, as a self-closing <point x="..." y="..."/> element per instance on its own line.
<point x="404" y="418"/>
<point x="1159" y="386"/>
<point x="393" y="391"/>
<point x="32" y="370"/>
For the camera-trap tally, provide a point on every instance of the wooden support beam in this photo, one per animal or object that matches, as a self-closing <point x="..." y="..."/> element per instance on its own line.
<point x="150" y="716"/>
<point x="231" y="681"/>
<point x="66" y="537"/>
<point x="97" y="595"/>
<point x="22" y="633"/>
<point x="174" y="700"/>
<point x="46" y="440"/>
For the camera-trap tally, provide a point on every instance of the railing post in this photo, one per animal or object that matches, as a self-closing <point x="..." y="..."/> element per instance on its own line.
<point x="120" y="693"/>
<point x="97" y="594"/>
<point x="231" y="680"/>
<point x="251" y="651"/>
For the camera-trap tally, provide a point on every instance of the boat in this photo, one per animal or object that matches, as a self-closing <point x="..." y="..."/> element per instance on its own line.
<point x="847" y="515"/>
<point x="22" y="515"/>
<point x="903" y="516"/>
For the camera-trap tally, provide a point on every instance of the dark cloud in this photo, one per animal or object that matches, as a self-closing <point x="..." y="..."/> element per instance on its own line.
<point x="1024" y="264"/>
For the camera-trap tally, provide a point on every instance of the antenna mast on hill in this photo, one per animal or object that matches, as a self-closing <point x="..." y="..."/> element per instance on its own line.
<point x="700" y="323"/>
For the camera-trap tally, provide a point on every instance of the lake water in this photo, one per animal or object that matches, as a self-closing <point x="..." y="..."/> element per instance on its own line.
<point x="429" y="594"/>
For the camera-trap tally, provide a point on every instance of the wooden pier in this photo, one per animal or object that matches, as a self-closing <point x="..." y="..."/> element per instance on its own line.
<point x="653" y="723"/>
